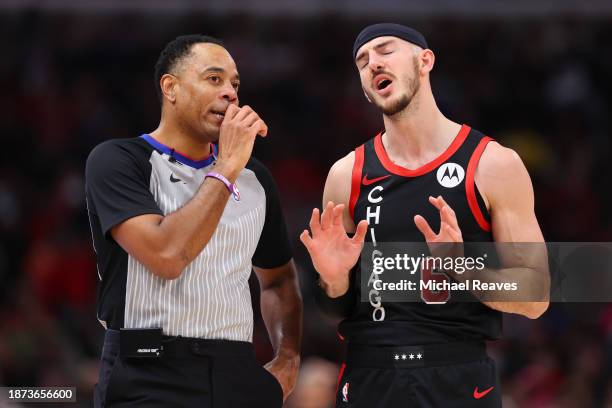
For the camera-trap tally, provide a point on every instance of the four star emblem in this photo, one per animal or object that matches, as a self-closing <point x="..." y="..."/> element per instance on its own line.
<point x="410" y="356"/>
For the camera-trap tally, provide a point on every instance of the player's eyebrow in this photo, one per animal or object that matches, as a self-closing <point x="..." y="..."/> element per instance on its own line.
<point x="376" y="47"/>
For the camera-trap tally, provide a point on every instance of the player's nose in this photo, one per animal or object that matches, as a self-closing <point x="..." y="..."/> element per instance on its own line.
<point x="375" y="63"/>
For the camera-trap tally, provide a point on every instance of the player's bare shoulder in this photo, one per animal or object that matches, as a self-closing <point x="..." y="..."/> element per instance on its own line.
<point x="499" y="160"/>
<point x="338" y="187"/>
<point x="338" y="184"/>
<point x="501" y="172"/>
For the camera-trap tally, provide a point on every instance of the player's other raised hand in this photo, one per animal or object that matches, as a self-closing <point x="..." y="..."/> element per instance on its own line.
<point x="449" y="227"/>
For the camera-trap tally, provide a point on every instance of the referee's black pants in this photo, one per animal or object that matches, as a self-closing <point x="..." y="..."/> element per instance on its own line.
<point x="190" y="373"/>
<point x="452" y="375"/>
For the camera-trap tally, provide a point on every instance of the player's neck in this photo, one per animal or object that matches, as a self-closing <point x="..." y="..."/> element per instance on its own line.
<point x="181" y="141"/>
<point x="419" y="134"/>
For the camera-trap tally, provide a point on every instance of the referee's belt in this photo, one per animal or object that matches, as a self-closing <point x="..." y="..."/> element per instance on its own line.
<point x="188" y="346"/>
<point x="359" y="355"/>
<point x="179" y="346"/>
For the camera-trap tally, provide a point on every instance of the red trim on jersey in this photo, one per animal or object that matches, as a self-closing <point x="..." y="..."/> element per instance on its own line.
<point x="341" y="337"/>
<point x="470" y="185"/>
<point x="340" y="374"/>
<point x="426" y="168"/>
<point x="356" y="179"/>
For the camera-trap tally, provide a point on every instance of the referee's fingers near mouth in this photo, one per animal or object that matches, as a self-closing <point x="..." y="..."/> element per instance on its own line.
<point x="231" y="111"/>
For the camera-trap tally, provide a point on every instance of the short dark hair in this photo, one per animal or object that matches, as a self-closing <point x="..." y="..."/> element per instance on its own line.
<point x="176" y="50"/>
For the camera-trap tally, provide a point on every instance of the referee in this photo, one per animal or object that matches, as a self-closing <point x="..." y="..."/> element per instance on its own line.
<point x="178" y="224"/>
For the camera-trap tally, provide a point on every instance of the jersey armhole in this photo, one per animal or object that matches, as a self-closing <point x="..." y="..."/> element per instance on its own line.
<point x="470" y="185"/>
<point x="356" y="179"/>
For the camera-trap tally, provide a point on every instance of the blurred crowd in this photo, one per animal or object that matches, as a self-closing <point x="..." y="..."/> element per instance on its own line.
<point x="71" y="81"/>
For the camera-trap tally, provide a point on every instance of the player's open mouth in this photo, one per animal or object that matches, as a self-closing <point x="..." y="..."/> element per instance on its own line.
<point x="382" y="84"/>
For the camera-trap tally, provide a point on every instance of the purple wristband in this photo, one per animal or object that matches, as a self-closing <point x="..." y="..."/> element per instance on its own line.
<point x="233" y="188"/>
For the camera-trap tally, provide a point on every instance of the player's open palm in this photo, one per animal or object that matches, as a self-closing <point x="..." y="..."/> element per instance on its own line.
<point x="332" y="252"/>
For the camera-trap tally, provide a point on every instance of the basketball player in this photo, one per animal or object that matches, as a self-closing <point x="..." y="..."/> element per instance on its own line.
<point x="424" y="178"/>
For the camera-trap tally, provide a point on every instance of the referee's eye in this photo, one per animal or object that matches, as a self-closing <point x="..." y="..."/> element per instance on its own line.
<point x="215" y="79"/>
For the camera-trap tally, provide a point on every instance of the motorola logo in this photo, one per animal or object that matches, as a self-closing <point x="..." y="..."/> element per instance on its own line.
<point x="450" y="175"/>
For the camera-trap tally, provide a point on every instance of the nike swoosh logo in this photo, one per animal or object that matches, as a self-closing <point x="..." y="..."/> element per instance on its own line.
<point x="173" y="179"/>
<point x="479" y="395"/>
<point x="367" y="182"/>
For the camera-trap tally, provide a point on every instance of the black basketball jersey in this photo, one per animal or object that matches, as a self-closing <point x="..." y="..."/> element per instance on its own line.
<point x="389" y="196"/>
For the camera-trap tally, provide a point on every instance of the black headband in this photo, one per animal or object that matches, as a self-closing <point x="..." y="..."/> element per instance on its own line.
<point x="395" y="30"/>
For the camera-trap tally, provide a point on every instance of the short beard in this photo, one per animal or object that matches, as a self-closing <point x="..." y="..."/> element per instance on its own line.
<point x="397" y="107"/>
<point x="404" y="101"/>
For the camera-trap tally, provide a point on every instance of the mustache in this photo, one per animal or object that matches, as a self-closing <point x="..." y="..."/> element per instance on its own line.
<point x="380" y="71"/>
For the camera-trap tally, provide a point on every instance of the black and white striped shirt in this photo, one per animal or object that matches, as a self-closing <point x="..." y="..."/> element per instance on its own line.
<point x="211" y="299"/>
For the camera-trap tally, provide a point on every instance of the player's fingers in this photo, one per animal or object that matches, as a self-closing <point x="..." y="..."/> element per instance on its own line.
<point x="448" y="215"/>
<point x="306" y="240"/>
<point x="338" y="210"/>
<point x="444" y="203"/>
<point x="315" y="226"/>
<point x="327" y="216"/>
<point x="360" y="231"/>
<point x="448" y="233"/>
<point x="455" y="236"/>
<point x="436" y="203"/>
<point x="424" y="227"/>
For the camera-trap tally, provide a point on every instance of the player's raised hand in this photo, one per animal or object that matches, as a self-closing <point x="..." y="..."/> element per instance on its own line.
<point x="449" y="227"/>
<point x="441" y="243"/>
<point x="332" y="252"/>
<point x="239" y="128"/>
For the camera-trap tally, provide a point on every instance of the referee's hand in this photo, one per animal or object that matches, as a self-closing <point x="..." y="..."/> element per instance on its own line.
<point x="285" y="370"/>
<point x="240" y="127"/>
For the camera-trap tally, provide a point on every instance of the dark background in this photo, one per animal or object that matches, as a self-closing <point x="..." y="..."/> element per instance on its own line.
<point x="538" y="79"/>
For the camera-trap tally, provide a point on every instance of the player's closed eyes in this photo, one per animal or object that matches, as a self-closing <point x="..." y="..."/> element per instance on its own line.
<point x="365" y="63"/>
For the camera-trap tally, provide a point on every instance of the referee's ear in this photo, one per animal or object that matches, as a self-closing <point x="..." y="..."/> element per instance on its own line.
<point x="167" y="83"/>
